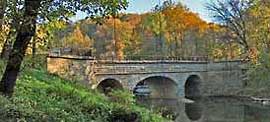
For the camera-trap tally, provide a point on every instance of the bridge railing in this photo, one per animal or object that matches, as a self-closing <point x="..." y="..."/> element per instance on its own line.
<point x="162" y="57"/>
<point x="145" y="59"/>
<point x="138" y="57"/>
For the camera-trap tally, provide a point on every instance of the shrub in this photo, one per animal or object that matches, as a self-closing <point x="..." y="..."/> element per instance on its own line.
<point x="123" y="97"/>
<point x="258" y="76"/>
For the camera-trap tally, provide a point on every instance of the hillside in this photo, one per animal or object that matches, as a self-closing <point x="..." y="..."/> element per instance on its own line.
<point x="40" y="96"/>
<point x="173" y="32"/>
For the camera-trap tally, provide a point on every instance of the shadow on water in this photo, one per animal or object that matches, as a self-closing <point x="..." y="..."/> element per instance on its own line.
<point x="209" y="110"/>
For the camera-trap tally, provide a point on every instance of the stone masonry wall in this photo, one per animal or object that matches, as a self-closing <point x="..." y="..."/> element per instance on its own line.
<point x="74" y="69"/>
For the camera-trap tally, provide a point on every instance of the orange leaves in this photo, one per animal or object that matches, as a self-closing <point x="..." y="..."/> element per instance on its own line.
<point x="179" y="22"/>
<point x="175" y="17"/>
<point x="116" y="33"/>
<point x="179" y="18"/>
<point x="253" y="55"/>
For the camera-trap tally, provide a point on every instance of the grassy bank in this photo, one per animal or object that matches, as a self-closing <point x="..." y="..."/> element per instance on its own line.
<point x="40" y="96"/>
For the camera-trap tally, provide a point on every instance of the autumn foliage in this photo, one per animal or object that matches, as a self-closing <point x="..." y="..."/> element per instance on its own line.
<point x="170" y="31"/>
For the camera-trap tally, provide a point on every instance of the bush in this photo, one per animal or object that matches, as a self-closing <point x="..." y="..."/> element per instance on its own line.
<point x="258" y="73"/>
<point x="123" y="97"/>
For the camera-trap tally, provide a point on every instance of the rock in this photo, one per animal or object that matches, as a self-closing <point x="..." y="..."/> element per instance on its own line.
<point x="184" y="100"/>
<point x="266" y="102"/>
<point x="261" y="100"/>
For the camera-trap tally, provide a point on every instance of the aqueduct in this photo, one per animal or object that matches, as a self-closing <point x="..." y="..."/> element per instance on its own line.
<point x="166" y="79"/>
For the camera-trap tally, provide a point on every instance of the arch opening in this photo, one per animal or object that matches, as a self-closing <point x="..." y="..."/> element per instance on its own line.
<point x="192" y="87"/>
<point x="156" y="87"/>
<point x="108" y="85"/>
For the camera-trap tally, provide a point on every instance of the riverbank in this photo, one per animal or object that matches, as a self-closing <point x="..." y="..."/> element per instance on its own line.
<point x="257" y="95"/>
<point x="247" y="98"/>
<point x="40" y="96"/>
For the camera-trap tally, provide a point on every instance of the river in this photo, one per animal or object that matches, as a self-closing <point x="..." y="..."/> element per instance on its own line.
<point x="209" y="110"/>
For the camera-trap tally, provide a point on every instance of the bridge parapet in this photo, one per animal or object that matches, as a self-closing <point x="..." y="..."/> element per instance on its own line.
<point x="144" y="67"/>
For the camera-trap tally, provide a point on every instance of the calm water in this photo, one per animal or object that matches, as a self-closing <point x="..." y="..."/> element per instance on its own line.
<point x="210" y="110"/>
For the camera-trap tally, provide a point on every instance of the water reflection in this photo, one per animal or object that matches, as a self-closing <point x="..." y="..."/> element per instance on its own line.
<point x="210" y="110"/>
<point x="194" y="110"/>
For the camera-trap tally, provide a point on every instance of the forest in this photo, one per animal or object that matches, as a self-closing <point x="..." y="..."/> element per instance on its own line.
<point x="170" y="31"/>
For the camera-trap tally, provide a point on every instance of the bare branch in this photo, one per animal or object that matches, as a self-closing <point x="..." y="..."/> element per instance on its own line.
<point x="232" y="14"/>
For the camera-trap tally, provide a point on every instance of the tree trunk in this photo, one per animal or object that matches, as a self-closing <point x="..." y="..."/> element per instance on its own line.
<point x="25" y="34"/>
<point x="158" y="52"/>
<point x="34" y="46"/>
<point x="176" y="47"/>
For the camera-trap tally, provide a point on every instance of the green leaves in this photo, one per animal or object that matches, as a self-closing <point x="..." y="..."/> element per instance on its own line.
<point x="156" y="22"/>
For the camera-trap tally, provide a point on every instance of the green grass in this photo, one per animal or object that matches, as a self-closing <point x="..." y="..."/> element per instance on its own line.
<point x="42" y="97"/>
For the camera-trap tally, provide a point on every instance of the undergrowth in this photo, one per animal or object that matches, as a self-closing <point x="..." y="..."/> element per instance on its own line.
<point x="42" y="97"/>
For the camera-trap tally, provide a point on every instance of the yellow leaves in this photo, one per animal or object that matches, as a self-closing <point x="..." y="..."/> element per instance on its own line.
<point x="258" y="30"/>
<point x="180" y="18"/>
<point x="57" y="24"/>
<point x="41" y="33"/>
<point x="217" y="53"/>
<point x="78" y="41"/>
<point x="181" y="21"/>
<point x="175" y="17"/>
<point x="225" y="51"/>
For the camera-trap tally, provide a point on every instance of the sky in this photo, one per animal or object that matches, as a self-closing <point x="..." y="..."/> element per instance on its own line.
<point x="143" y="6"/>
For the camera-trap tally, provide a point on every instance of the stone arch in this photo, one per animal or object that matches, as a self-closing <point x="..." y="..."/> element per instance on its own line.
<point x="192" y="87"/>
<point x="159" y="87"/>
<point x="107" y="85"/>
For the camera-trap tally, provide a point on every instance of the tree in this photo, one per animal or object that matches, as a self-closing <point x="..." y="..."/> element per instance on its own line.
<point x="2" y="12"/>
<point x="28" y="28"/>
<point x="259" y="27"/>
<point x="25" y="33"/>
<point x="13" y="16"/>
<point x="121" y="35"/>
<point x="78" y="42"/>
<point x="232" y="13"/>
<point x="182" y="26"/>
<point x="134" y="43"/>
<point x="155" y="22"/>
<point x="44" y="39"/>
<point x="175" y="16"/>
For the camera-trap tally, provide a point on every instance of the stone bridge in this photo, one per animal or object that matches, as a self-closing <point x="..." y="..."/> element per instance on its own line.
<point x="166" y="79"/>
